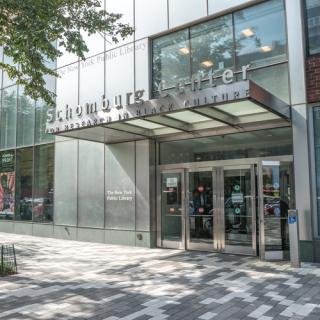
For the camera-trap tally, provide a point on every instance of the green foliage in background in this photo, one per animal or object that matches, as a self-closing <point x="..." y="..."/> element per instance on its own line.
<point x="33" y="33"/>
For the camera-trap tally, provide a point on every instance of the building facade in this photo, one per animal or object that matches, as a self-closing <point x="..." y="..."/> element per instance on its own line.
<point x="200" y="131"/>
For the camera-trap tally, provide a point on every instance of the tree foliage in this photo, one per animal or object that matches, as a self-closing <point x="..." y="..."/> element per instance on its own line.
<point x="34" y="32"/>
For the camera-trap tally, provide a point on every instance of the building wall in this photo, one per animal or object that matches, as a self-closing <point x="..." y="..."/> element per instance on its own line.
<point x="86" y="171"/>
<point x="313" y="78"/>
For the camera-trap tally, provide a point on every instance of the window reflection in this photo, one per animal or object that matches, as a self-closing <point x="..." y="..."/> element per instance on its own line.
<point x="260" y="34"/>
<point x="313" y="24"/>
<point x="171" y="59"/>
<point x="8" y="117"/>
<point x="262" y="143"/>
<point x="316" y="124"/>
<point x="212" y="46"/>
<point x="24" y="168"/>
<point x="25" y="119"/>
<point x="43" y="183"/>
<point x="7" y="185"/>
<point x="255" y="36"/>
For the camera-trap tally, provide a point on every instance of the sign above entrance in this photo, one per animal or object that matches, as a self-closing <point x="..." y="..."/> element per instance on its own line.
<point x="133" y="106"/>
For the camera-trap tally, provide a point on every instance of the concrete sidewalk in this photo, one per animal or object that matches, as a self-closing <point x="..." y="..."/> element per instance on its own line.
<point x="61" y="279"/>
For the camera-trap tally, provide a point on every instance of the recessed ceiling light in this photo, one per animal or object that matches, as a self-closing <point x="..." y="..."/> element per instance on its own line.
<point x="207" y="63"/>
<point x="247" y="32"/>
<point x="184" y="51"/>
<point x="266" y="48"/>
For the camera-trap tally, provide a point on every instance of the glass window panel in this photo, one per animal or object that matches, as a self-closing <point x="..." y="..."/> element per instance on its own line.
<point x="260" y="34"/>
<point x="166" y="130"/>
<point x="145" y="124"/>
<point x="274" y="79"/>
<point x="262" y="143"/>
<point x="25" y="119"/>
<point x="316" y="124"/>
<point x="8" y="118"/>
<point x="241" y="108"/>
<point x="212" y="46"/>
<point x="43" y="183"/>
<point x="171" y="60"/>
<point x="188" y="117"/>
<point x="6" y="80"/>
<point x="183" y="11"/>
<point x="7" y="184"/>
<point x="40" y="126"/>
<point x="313" y="24"/>
<point x="41" y="114"/>
<point x="277" y="200"/>
<point x="23" y="195"/>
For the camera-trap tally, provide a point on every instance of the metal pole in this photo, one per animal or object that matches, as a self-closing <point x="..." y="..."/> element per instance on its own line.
<point x="294" y="238"/>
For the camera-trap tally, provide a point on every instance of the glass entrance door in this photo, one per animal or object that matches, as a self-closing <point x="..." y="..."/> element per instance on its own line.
<point x="239" y="210"/>
<point x="209" y="209"/>
<point x="201" y="208"/>
<point x="277" y="197"/>
<point x="172" y="209"/>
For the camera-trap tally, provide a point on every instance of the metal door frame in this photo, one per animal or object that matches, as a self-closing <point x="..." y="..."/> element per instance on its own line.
<point x="238" y="249"/>
<point x="272" y="255"/>
<point x="183" y="168"/>
<point x="216" y="199"/>
<point x="167" y="243"/>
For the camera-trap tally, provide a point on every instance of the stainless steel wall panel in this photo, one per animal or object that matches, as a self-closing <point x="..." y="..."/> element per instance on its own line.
<point x="67" y="86"/>
<point x="296" y="50"/>
<point x="142" y="186"/>
<point x="91" y="87"/>
<point x="216" y="6"/>
<point x="90" y="235"/>
<point x="91" y="184"/>
<point x="301" y="170"/>
<point x="120" y="186"/>
<point x="65" y="179"/>
<point x="124" y="7"/>
<point x="142" y="66"/>
<point x="120" y="71"/>
<point x="150" y="17"/>
<point x="66" y="58"/>
<point x="184" y="11"/>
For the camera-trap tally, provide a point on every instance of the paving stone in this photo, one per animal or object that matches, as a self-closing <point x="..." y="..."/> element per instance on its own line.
<point x="72" y="280"/>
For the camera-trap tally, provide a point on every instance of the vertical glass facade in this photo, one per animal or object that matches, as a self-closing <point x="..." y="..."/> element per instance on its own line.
<point x="316" y="125"/>
<point x="26" y="158"/>
<point x="43" y="183"/>
<point x="313" y="26"/>
<point x="254" y="36"/>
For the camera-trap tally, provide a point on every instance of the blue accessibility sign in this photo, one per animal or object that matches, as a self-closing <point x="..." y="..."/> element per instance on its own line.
<point x="292" y="220"/>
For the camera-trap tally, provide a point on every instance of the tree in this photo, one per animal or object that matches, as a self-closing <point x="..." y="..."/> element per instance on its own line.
<point x="34" y="32"/>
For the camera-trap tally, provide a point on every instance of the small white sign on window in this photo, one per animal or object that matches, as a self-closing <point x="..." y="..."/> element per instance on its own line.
<point x="237" y="197"/>
<point x="172" y="182"/>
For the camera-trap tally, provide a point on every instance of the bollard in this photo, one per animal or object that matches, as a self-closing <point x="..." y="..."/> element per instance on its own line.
<point x="294" y="238"/>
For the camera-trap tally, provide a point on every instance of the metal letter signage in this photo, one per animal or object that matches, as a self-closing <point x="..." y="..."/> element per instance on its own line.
<point x="133" y="105"/>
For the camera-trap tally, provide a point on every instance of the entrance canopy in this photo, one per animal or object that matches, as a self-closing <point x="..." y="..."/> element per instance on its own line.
<point x="232" y="107"/>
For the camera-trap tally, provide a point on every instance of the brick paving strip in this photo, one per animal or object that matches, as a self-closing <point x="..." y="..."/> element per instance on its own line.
<point x="61" y="279"/>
